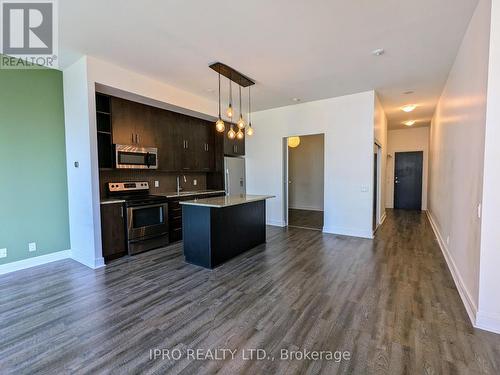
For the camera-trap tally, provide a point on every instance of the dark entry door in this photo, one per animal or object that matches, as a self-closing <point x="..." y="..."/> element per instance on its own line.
<point x="408" y="180"/>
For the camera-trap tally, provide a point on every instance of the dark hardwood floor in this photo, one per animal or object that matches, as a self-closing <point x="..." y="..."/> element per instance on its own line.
<point x="305" y="219"/>
<point x="390" y="302"/>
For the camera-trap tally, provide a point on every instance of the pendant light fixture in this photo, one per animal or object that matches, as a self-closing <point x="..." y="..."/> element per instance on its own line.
<point x="249" y="129"/>
<point x="237" y="129"/>
<point x="219" y="125"/>
<point x="241" y="122"/>
<point x="229" y="111"/>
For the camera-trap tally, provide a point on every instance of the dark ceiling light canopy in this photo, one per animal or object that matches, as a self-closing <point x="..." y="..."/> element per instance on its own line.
<point x="242" y="81"/>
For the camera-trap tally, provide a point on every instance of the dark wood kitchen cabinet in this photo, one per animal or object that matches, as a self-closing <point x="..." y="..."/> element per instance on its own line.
<point x="133" y="123"/>
<point x="185" y="143"/>
<point x="113" y="230"/>
<point x="233" y="147"/>
<point x="204" y="142"/>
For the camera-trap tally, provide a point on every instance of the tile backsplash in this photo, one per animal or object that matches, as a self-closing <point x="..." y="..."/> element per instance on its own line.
<point x="167" y="180"/>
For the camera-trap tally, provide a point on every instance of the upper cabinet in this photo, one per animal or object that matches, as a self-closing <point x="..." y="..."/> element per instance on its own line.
<point x="233" y="147"/>
<point x="104" y="131"/>
<point x="185" y="143"/>
<point x="133" y="123"/>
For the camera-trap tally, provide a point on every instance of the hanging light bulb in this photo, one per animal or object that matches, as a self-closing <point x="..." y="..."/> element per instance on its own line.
<point x="231" y="133"/>
<point x="240" y="135"/>
<point x="229" y="111"/>
<point x="241" y="123"/>
<point x="219" y="124"/>
<point x="249" y="129"/>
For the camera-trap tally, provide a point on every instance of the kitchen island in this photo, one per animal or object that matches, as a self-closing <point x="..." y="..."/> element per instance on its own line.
<point x="217" y="229"/>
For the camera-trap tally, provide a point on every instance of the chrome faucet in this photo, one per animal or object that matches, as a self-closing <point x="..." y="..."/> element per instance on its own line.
<point x="179" y="187"/>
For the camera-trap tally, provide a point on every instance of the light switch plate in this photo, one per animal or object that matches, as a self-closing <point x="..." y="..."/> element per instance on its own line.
<point x="157" y="183"/>
<point x="364" y="189"/>
<point x="32" y="246"/>
<point x="3" y="253"/>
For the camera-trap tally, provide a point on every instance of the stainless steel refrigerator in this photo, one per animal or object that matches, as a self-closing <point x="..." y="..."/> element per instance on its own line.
<point x="234" y="173"/>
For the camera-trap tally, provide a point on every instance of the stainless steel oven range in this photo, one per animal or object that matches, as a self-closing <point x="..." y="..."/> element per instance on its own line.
<point x="146" y="215"/>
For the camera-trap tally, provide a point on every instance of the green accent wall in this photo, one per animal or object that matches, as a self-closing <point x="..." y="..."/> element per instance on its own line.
<point x="33" y="186"/>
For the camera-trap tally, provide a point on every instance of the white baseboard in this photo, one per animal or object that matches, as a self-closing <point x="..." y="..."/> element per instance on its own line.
<point x="467" y="300"/>
<point x="35" y="261"/>
<point x="275" y="223"/>
<point x="348" y="232"/>
<point x="91" y="263"/>
<point x="382" y="219"/>
<point x="488" y="322"/>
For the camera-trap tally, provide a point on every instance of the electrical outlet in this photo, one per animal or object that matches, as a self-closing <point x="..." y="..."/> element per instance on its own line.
<point x="32" y="246"/>
<point x="157" y="183"/>
<point x="3" y="253"/>
<point x="195" y="182"/>
<point x="364" y="189"/>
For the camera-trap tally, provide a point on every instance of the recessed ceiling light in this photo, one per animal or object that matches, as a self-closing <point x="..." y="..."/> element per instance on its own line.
<point x="378" y="52"/>
<point x="409" y="123"/>
<point x="408" y="108"/>
<point x="296" y="99"/>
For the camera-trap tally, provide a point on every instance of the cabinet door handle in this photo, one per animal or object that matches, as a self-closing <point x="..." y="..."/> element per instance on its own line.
<point x="187" y="144"/>
<point x="121" y="211"/>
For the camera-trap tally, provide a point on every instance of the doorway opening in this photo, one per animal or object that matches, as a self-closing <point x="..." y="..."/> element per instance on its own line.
<point x="408" y="168"/>
<point x="304" y="181"/>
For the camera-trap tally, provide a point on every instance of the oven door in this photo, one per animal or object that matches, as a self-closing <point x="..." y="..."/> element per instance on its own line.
<point x="132" y="157"/>
<point x="147" y="221"/>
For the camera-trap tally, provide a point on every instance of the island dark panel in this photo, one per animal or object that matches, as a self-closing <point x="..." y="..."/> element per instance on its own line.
<point x="214" y="235"/>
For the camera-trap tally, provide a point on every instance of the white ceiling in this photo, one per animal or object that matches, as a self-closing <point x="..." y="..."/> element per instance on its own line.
<point x="293" y="49"/>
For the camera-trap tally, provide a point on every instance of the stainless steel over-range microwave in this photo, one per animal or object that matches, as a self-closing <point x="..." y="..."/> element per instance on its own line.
<point x="133" y="157"/>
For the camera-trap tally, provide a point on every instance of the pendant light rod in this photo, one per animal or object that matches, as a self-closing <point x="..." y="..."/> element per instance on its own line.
<point x="219" y="95"/>
<point x="249" y="105"/>
<point x="241" y="109"/>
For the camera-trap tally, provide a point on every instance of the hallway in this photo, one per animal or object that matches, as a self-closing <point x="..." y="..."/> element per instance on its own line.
<point x="390" y="302"/>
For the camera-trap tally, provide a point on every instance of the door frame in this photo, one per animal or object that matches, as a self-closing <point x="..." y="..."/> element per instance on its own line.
<point x="393" y="182"/>
<point x="378" y="187"/>
<point x="286" y="176"/>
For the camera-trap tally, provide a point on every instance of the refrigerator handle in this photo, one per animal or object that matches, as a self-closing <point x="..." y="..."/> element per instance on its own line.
<point x="228" y="187"/>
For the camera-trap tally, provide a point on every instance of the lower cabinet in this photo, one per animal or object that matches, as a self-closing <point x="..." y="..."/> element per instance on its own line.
<point x="175" y="215"/>
<point x="113" y="231"/>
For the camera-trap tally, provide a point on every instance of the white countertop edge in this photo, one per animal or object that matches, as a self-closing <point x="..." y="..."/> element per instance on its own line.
<point x="237" y="200"/>
<point x="112" y="201"/>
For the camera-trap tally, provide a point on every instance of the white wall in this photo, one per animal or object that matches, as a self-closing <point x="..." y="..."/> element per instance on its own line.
<point x="488" y="316"/>
<point x="456" y="157"/>
<point x="381" y="137"/>
<point x="306" y="173"/>
<point x="347" y="123"/>
<point x="80" y="81"/>
<point x="401" y="140"/>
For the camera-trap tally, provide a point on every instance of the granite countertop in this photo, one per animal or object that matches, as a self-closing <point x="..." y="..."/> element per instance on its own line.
<point x="190" y="193"/>
<point x="168" y="195"/>
<point x="226" y="201"/>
